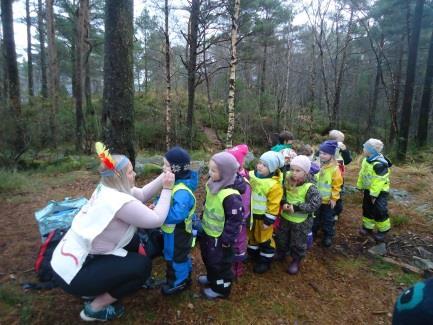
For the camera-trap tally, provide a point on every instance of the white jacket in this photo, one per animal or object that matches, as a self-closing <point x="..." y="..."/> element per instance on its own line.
<point x="93" y="218"/>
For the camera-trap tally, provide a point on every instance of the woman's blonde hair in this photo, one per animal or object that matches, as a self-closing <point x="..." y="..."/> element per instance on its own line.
<point x="118" y="181"/>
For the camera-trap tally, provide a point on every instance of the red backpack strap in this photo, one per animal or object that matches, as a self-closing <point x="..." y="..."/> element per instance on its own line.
<point x="43" y="249"/>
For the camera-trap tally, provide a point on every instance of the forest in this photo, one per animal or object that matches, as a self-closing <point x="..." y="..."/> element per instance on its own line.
<point x="244" y="70"/>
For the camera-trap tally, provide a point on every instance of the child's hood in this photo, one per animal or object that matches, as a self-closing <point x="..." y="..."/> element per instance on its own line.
<point x="191" y="181"/>
<point x="239" y="184"/>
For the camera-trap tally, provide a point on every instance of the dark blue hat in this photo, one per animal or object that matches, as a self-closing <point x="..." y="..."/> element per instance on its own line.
<point x="179" y="161"/>
<point x="329" y="147"/>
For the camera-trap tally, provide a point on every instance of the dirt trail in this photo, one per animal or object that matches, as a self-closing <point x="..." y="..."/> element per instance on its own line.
<point x="335" y="286"/>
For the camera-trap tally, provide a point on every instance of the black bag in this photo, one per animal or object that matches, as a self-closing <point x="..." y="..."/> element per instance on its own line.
<point x="43" y="267"/>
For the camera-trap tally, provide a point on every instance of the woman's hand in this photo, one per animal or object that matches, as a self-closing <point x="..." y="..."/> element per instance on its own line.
<point x="168" y="180"/>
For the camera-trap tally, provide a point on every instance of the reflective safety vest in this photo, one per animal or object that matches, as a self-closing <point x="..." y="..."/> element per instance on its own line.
<point x="213" y="215"/>
<point x="324" y="182"/>
<point x="169" y="228"/>
<point x="369" y="180"/>
<point x="296" y="196"/>
<point x="260" y="188"/>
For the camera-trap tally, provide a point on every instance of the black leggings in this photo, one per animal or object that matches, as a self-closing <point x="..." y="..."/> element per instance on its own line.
<point x="119" y="276"/>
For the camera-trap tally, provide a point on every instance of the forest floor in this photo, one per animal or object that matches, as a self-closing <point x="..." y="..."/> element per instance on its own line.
<point x="339" y="285"/>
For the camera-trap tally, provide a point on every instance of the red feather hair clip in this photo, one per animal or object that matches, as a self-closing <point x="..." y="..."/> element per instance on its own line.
<point x="105" y="156"/>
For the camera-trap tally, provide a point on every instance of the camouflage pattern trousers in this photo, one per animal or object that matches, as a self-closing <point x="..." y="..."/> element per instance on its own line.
<point x="292" y="237"/>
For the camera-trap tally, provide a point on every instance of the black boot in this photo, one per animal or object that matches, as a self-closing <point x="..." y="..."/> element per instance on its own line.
<point x="261" y="267"/>
<point x="168" y="289"/>
<point x="327" y="241"/>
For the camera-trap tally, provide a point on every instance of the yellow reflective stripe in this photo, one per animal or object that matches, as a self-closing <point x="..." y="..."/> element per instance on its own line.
<point x="383" y="226"/>
<point x="368" y="223"/>
<point x="258" y="197"/>
<point x="168" y="228"/>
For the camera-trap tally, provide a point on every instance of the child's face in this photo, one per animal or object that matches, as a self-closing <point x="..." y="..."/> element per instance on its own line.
<point x="214" y="172"/>
<point x="325" y="157"/>
<point x="166" y="167"/>
<point x="298" y="174"/>
<point x="262" y="169"/>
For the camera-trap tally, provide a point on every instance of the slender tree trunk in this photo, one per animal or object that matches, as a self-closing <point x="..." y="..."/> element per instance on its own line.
<point x="263" y="79"/>
<point x="80" y="38"/>
<point x="167" y="80"/>
<point x="403" y="138"/>
<point x="118" y="104"/>
<point x="42" y="54"/>
<point x="146" y="65"/>
<point x="53" y="85"/>
<point x="92" y="129"/>
<point x="192" y="66"/>
<point x="232" y="74"/>
<point x="3" y="75"/>
<point x="396" y="96"/>
<point x="29" y="51"/>
<point x="12" y="75"/>
<point x="426" y="98"/>
<point x="373" y="107"/>
<point x="339" y="81"/>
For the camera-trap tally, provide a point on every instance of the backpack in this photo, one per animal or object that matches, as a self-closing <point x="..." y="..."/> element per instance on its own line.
<point x="58" y="215"/>
<point x="43" y="268"/>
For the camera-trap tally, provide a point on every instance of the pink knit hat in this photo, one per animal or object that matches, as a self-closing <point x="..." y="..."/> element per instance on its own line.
<point x="302" y="162"/>
<point x="239" y="152"/>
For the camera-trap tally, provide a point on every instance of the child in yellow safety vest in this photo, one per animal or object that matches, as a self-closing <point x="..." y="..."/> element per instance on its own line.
<point x="222" y="219"/>
<point x="301" y="199"/>
<point x="374" y="181"/>
<point x="329" y="182"/>
<point x="267" y="191"/>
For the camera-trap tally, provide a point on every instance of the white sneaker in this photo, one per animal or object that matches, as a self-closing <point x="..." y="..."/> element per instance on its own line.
<point x="208" y="293"/>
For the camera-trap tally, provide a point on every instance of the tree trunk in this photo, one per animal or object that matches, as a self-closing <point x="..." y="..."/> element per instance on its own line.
<point x="80" y="29"/>
<point x="232" y="74"/>
<point x="335" y="115"/>
<point x="41" y="32"/>
<point x="410" y="79"/>
<point x="167" y="80"/>
<point x="29" y="51"/>
<point x="53" y="85"/>
<point x="263" y="79"/>
<point x="4" y="93"/>
<point x="373" y="107"/>
<point x="396" y="96"/>
<point x="118" y="104"/>
<point x="426" y="98"/>
<point x="192" y="66"/>
<point x="91" y="126"/>
<point x="12" y="74"/>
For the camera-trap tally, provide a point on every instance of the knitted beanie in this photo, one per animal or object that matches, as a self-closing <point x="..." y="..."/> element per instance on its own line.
<point x="302" y="162"/>
<point x="336" y="135"/>
<point x="373" y="146"/>
<point x="329" y="147"/>
<point x="273" y="160"/>
<point x="179" y="161"/>
<point x="415" y="305"/>
<point x="239" y="152"/>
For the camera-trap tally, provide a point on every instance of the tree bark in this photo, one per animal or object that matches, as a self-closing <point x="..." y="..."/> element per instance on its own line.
<point x="41" y="32"/>
<point x="395" y="97"/>
<point x="29" y="51"/>
<point x="192" y="66"/>
<point x="12" y="74"/>
<point x="167" y="79"/>
<point x="118" y="104"/>
<point x="232" y="74"/>
<point x="53" y="85"/>
<point x="80" y="29"/>
<point x="263" y="79"/>
<point x="403" y="138"/>
<point x="426" y="98"/>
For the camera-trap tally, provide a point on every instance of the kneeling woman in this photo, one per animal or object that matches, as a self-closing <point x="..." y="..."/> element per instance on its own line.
<point x="101" y="255"/>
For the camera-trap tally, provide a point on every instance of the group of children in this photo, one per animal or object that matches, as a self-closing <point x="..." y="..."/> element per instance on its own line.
<point x="267" y="213"/>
